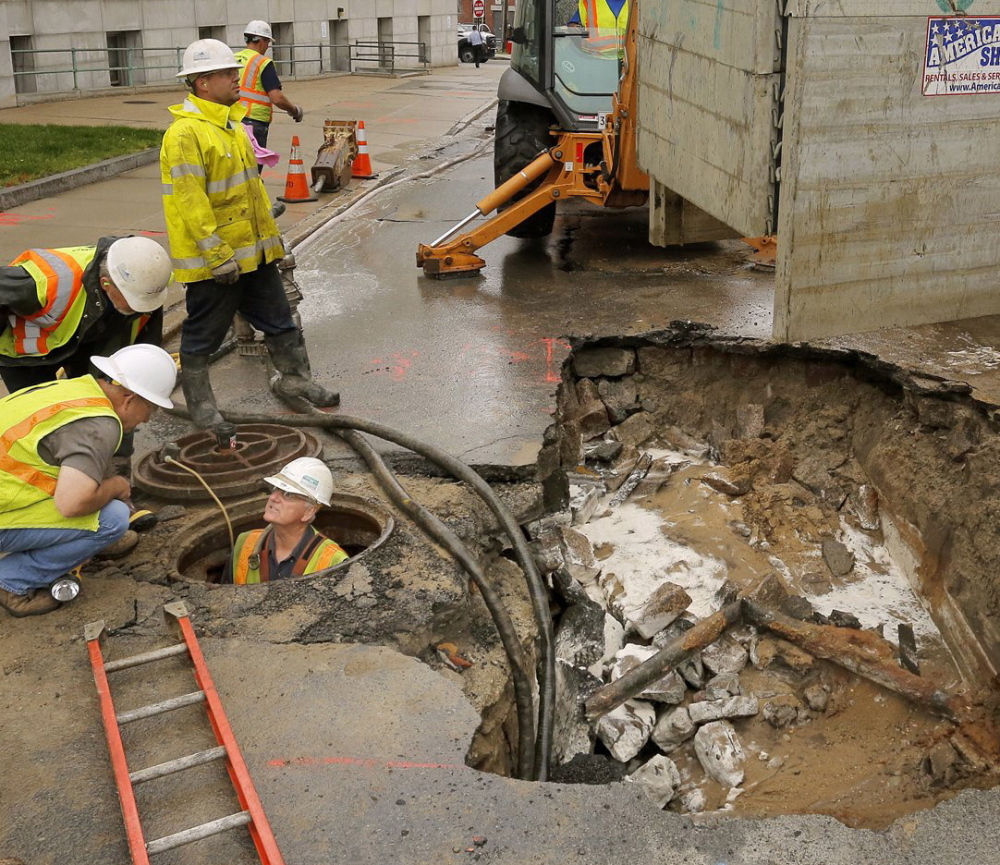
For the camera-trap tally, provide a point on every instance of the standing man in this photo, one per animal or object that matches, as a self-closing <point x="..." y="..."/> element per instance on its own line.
<point x="260" y="87"/>
<point x="475" y="40"/>
<point x="58" y="504"/>
<point x="223" y="239"/>
<point x="288" y="546"/>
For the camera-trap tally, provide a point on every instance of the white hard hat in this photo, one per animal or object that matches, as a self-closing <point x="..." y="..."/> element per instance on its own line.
<point x="140" y="270"/>
<point x="258" y="28"/>
<point x="146" y="370"/>
<point x="207" y="55"/>
<point x="306" y="476"/>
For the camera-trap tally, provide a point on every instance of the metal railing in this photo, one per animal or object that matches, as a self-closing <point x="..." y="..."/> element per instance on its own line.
<point x="54" y="70"/>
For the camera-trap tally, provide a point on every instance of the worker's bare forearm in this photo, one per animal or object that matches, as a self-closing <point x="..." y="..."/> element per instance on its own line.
<point x="78" y="501"/>
<point x="279" y="100"/>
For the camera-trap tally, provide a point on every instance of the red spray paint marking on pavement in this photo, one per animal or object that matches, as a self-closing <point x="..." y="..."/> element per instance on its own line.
<point x="153" y="233"/>
<point x="396" y="365"/>
<point x="551" y="373"/>
<point x="356" y="761"/>
<point x="8" y="218"/>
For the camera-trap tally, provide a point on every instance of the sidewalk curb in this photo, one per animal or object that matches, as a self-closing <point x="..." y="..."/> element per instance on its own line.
<point x="15" y="196"/>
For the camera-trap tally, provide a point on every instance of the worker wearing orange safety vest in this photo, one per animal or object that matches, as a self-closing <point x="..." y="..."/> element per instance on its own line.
<point x="61" y="306"/>
<point x="606" y="20"/>
<point x="288" y="546"/>
<point x="260" y="87"/>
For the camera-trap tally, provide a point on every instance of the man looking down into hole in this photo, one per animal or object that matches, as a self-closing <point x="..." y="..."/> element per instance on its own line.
<point x="288" y="546"/>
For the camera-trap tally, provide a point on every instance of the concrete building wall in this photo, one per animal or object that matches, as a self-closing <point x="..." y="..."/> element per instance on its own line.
<point x="165" y="27"/>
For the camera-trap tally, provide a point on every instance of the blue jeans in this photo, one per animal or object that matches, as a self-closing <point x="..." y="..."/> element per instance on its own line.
<point x="36" y="558"/>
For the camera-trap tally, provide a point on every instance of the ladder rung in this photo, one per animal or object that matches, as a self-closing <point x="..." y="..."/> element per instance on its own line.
<point x="145" y="658"/>
<point x="179" y="765"/>
<point x="196" y="833"/>
<point x="160" y="708"/>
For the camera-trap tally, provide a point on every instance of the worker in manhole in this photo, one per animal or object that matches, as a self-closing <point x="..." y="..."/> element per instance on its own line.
<point x="224" y="241"/>
<point x="59" y="503"/>
<point x="65" y="305"/>
<point x="289" y="546"/>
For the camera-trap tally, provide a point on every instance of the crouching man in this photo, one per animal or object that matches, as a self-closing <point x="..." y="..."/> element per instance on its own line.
<point x="58" y="504"/>
<point x="288" y="546"/>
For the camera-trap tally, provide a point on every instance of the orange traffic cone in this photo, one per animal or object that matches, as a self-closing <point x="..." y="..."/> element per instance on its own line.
<point x="362" y="165"/>
<point x="296" y="188"/>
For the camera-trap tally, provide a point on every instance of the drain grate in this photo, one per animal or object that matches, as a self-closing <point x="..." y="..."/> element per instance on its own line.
<point x="260" y="449"/>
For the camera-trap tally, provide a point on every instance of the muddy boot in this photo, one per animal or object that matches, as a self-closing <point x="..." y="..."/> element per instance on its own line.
<point x="198" y="391"/>
<point x="288" y="354"/>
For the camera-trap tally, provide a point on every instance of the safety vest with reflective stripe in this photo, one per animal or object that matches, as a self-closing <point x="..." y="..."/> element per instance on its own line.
<point x="27" y="482"/>
<point x="250" y="559"/>
<point x="58" y="275"/>
<point x="607" y="32"/>
<point x="253" y="96"/>
<point x="213" y="198"/>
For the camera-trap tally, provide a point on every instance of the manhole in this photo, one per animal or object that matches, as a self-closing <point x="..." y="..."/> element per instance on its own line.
<point x="260" y="449"/>
<point x="354" y="523"/>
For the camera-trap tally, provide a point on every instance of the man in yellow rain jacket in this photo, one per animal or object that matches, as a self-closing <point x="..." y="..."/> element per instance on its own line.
<point x="260" y="87"/>
<point x="289" y="546"/>
<point x="224" y="242"/>
<point x="59" y="504"/>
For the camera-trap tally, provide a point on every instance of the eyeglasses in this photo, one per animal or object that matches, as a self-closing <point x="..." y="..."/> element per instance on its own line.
<point x="286" y="496"/>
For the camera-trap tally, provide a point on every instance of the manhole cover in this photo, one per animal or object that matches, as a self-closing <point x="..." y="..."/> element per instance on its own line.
<point x="139" y="102"/>
<point x="260" y="449"/>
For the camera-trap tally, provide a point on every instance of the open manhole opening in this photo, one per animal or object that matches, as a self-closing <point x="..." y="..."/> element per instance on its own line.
<point x="354" y="523"/>
<point x="870" y="494"/>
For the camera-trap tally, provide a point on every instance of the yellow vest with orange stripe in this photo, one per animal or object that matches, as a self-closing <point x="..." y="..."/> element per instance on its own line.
<point x="252" y="94"/>
<point x="250" y="557"/>
<point x="607" y="33"/>
<point x="58" y="275"/>
<point x="27" y="482"/>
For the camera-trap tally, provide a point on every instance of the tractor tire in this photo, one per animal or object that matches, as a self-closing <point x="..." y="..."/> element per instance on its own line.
<point x="467" y="55"/>
<point x="522" y="133"/>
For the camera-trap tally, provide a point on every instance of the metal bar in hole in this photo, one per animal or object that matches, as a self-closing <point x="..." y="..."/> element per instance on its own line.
<point x="160" y="770"/>
<point x="161" y="707"/>
<point x="145" y="658"/>
<point x="196" y="833"/>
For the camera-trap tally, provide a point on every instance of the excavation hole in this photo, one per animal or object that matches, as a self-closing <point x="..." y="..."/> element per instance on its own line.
<point x="354" y="523"/>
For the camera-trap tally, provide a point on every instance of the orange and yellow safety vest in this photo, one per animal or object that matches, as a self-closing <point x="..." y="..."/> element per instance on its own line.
<point x="252" y="94"/>
<point x="250" y="559"/>
<point x="598" y="16"/>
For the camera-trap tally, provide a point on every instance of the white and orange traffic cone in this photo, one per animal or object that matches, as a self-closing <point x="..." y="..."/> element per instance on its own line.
<point x="296" y="188"/>
<point x="362" y="165"/>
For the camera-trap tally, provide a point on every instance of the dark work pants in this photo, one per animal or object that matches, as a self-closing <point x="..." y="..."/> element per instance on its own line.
<point x="259" y="296"/>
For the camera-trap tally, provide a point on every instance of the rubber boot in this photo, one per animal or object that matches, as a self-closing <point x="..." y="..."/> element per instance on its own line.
<point x="197" y="388"/>
<point x="288" y="354"/>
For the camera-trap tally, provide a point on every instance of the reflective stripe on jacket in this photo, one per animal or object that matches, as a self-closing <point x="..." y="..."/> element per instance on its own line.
<point x="27" y="482"/>
<point x="58" y="275"/>
<point x="213" y="198"/>
<point x="250" y="560"/>
<point x="253" y="96"/>
<point x="607" y="32"/>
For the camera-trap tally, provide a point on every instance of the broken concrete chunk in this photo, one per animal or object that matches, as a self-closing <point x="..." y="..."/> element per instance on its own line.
<point x="579" y="637"/>
<point x="844" y="620"/>
<point x="668" y="689"/>
<point x="673" y="729"/>
<point x="583" y="503"/>
<point x="771" y="653"/>
<point x="658" y="779"/>
<point x="716" y="710"/>
<point x="768" y="591"/>
<point x="592" y="416"/>
<point x="727" y="683"/>
<point x="750" y="421"/>
<point x="620" y="397"/>
<point x="943" y="764"/>
<point x="578" y="556"/>
<point x="571" y="733"/>
<point x="724" y="656"/>
<point x="693" y="672"/>
<point x="863" y="502"/>
<point x="634" y="430"/>
<point x="720" y="481"/>
<point x="816" y="697"/>
<point x="838" y="558"/>
<point x="641" y="604"/>
<point x="720" y="753"/>
<point x="781" y="711"/>
<point x="597" y="362"/>
<point x="672" y="631"/>
<point x="546" y="550"/>
<point x="693" y="802"/>
<point x="626" y="729"/>
<point x="602" y="450"/>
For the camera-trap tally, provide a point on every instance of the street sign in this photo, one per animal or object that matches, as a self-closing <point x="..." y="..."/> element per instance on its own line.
<point x="479" y="8"/>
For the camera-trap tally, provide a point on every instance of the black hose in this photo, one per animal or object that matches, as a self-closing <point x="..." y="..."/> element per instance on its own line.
<point x="454" y="466"/>
<point x="501" y="618"/>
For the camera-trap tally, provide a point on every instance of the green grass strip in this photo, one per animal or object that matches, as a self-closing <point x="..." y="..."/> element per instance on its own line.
<point x="32" y="151"/>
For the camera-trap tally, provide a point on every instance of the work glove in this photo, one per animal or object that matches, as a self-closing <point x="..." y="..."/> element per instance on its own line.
<point x="226" y="273"/>
<point x="297" y="114"/>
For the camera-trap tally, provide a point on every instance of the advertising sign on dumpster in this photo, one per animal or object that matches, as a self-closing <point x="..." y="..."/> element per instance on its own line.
<point x="962" y="56"/>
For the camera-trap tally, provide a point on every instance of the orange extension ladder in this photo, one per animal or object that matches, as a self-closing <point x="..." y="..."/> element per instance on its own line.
<point x="252" y="814"/>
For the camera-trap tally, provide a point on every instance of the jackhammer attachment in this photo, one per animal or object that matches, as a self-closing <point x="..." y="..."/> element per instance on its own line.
<point x="332" y="168"/>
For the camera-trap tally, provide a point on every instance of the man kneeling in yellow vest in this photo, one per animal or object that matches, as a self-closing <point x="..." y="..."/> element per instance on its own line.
<point x="289" y="546"/>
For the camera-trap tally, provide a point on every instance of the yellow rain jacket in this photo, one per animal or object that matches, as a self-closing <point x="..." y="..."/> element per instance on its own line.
<point x="213" y="198"/>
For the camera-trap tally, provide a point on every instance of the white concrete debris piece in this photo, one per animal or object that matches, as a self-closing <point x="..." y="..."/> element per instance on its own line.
<point x="671" y="688"/>
<point x="642" y="602"/>
<point x="720" y="753"/>
<point x="578" y="556"/>
<point x="571" y="732"/>
<point x="626" y="729"/>
<point x="614" y="639"/>
<point x="716" y="710"/>
<point x="693" y="672"/>
<point x="725" y="684"/>
<point x="724" y="656"/>
<point x="583" y="503"/>
<point x="659" y="779"/>
<point x="693" y="802"/>
<point x="673" y="729"/>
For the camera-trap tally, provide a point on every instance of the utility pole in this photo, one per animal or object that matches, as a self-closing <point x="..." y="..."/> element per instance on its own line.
<point x="503" y="25"/>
